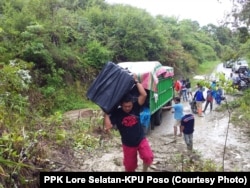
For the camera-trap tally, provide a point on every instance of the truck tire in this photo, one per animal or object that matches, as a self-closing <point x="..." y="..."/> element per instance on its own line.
<point x="158" y="117"/>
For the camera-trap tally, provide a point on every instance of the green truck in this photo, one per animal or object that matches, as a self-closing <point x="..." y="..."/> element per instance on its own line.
<point x="158" y="82"/>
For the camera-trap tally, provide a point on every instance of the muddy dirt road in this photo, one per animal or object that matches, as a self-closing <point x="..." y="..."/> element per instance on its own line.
<point x="209" y="141"/>
<point x="210" y="137"/>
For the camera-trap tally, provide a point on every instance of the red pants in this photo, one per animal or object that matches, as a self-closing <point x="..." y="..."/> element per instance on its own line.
<point x="130" y="155"/>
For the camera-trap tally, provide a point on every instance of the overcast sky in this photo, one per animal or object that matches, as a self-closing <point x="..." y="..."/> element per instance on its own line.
<point x="203" y="11"/>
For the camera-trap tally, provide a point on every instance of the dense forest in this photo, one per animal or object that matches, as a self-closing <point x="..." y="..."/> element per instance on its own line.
<point x="51" y="50"/>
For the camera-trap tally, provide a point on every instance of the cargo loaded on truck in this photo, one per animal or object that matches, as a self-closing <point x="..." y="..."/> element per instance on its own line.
<point x="158" y="82"/>
<point x="116" y="80"/>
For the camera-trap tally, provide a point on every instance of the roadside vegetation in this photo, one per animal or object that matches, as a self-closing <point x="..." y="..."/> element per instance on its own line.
<point x="52" y="50"/>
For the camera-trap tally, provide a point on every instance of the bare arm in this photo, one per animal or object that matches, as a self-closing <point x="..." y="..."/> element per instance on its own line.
<point x="107" y="122"/>
<point x="142" y="93"/>
<point x="167" y="107"/>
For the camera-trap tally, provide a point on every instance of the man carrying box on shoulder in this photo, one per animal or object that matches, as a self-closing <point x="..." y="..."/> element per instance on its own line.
<point x="127" y="119"/>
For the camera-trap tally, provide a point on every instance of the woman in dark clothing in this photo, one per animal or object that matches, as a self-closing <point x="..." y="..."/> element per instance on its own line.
<point x="189" y="89"/>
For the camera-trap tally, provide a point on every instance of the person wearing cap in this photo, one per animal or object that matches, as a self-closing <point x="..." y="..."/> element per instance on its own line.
<point x="187" y="128"/>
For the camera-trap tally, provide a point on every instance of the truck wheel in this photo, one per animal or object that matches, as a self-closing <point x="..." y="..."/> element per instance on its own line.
<point x="158" y="117"/>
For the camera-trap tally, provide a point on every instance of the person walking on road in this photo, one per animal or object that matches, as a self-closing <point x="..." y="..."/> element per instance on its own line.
<point x="187" y="127"/>
<point x="219" y="94"/>
<point x="178" y="114"/>
<point x="127" y="120"/>
<point x="189" y="89"/>
<point x="209" y="99"/>
<point x="199" y="98"/>
<point x="184" y="90"/>
<point x="177" y="88"/>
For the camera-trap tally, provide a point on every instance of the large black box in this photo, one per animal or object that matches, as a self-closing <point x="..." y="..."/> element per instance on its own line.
<point x="111" y="84"/>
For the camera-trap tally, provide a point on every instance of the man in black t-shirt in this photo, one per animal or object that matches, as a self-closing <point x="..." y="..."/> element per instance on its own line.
<point x="127" y="120"/>
<point x="187" y="127"/>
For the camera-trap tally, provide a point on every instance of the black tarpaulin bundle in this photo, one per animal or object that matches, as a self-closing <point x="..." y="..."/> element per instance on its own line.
<point x="112" y="83"/>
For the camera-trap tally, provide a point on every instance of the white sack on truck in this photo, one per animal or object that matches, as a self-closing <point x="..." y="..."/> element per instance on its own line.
<point x="148" y="72"/>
